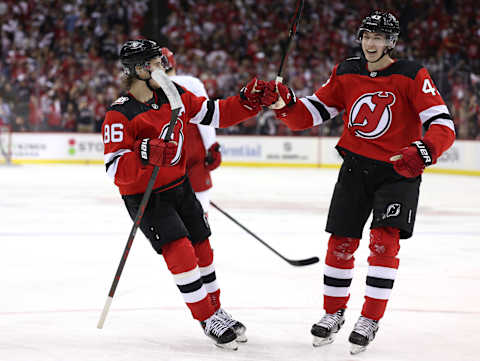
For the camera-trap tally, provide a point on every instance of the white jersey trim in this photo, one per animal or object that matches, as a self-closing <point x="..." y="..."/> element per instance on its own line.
<point x="112" y="168"/>
<point x="200" y="115"/>
<point x="309" y="102"/>
<point x="433" y="111"/>
<point x="445" y="122"/>
<point x="216" y="115"/>
<point x="317" y="119"/>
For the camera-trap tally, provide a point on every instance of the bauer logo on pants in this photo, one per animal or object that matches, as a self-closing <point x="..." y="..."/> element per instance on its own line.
<point x="393" y="210"/>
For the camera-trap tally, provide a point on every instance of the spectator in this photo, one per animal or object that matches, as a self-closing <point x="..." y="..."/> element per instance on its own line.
<point x="63" y="44"/>
<point x="86" y="120"/>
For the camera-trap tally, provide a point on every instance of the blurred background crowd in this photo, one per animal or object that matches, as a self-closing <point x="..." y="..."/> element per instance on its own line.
<point x="59" y="66"/>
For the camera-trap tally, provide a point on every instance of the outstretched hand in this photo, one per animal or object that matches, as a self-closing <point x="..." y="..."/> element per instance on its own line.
<point x="276" y="95"/>
<point x="250" y="95"/>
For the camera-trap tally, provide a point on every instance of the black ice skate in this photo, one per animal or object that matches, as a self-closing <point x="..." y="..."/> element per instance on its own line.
<point x="224" y="336"/>
<point x="324" y="330"/>
<point x="363" y="333"/>
<point x="237" y="326"/>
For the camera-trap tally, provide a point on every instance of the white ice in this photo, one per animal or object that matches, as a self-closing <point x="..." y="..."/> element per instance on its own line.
<point x="63" y="230"/>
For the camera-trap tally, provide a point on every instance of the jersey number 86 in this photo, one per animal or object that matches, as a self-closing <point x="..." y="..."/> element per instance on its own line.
<point x="113" y="133"/>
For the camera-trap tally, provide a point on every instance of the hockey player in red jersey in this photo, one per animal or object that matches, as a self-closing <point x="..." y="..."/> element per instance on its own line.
<point x="201" y="150"/>
<point x="173" y="220"/>
<point x="385" y="103"/>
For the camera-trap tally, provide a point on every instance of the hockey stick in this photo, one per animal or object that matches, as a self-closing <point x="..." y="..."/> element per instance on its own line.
<point x="300" y="262"/>
<point x="176" y="105"/>
<point x="291" y="34"/>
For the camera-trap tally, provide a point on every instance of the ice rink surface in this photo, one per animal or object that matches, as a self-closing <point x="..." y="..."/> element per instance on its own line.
<point x="64" y="228"/>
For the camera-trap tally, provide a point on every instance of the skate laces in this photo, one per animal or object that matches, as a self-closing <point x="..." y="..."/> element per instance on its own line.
<point x="365" y="326"/>
<point x="329" y="320"/>
<point x="226" y="317"/>
<point x="215" y="325"/>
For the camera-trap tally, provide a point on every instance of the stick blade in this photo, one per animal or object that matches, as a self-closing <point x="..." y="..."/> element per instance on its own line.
<point x="304" y="262"/>
<point x="104" y="313"/>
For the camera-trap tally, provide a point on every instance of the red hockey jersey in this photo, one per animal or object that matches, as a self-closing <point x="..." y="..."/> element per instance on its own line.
<point x="200" y="138"/>
<point x="128" y="120"/>
<point x="196" y="153"/>
<point x="383" y="110"/>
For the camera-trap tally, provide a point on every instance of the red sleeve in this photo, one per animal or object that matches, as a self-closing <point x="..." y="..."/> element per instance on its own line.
<point x="440" y="137"/>
<point x="330" y="93"/>
<point x="432" y="112"/>
<point x="296" y="116"/>
<point x="221" y="113"/>
<point x="426" y="98"/>
<point x="315" y="109"/>
<point x="233" y="112"/>
<point x="122" y="164"/>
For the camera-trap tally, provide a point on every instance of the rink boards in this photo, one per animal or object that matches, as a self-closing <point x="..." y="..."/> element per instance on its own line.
<point x="258" y="151"/>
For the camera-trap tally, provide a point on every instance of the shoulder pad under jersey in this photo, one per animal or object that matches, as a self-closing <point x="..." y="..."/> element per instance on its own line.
<point x="350" y="66"/>
<point x="408" y="68"/>
<point x="126" y="105"/>
<point x="358" y="66"/>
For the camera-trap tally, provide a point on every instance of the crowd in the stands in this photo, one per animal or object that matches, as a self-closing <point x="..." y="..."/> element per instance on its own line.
<point x="59" y="66"/>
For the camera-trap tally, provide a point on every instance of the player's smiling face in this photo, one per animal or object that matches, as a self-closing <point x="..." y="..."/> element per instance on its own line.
<point x="373" y="45"/>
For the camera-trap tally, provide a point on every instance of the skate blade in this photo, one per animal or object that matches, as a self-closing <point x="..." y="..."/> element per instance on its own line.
<point x="230" y="346"/>
<point x="241" y="338"/>
<point x="322" y="341"/>
<point x="354" y="349"/>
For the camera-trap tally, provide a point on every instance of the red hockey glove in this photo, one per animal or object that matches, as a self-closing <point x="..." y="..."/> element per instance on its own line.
<point x="270" y="94"/>
<point x="412" y="160"/>
<point x="214" y="157"/>
<point x="251" y="93"/>
<point x="156" y="151"/>
<point x="277" y="95"/>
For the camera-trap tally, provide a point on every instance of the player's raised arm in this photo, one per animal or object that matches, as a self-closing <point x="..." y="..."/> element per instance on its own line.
<point x="223" y="113"/>
<point x="305" y="112"/>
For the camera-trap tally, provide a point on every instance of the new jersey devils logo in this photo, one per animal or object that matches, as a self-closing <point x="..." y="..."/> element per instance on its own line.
<point x="177" y="136"/>
<point x="371" y="114"/>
